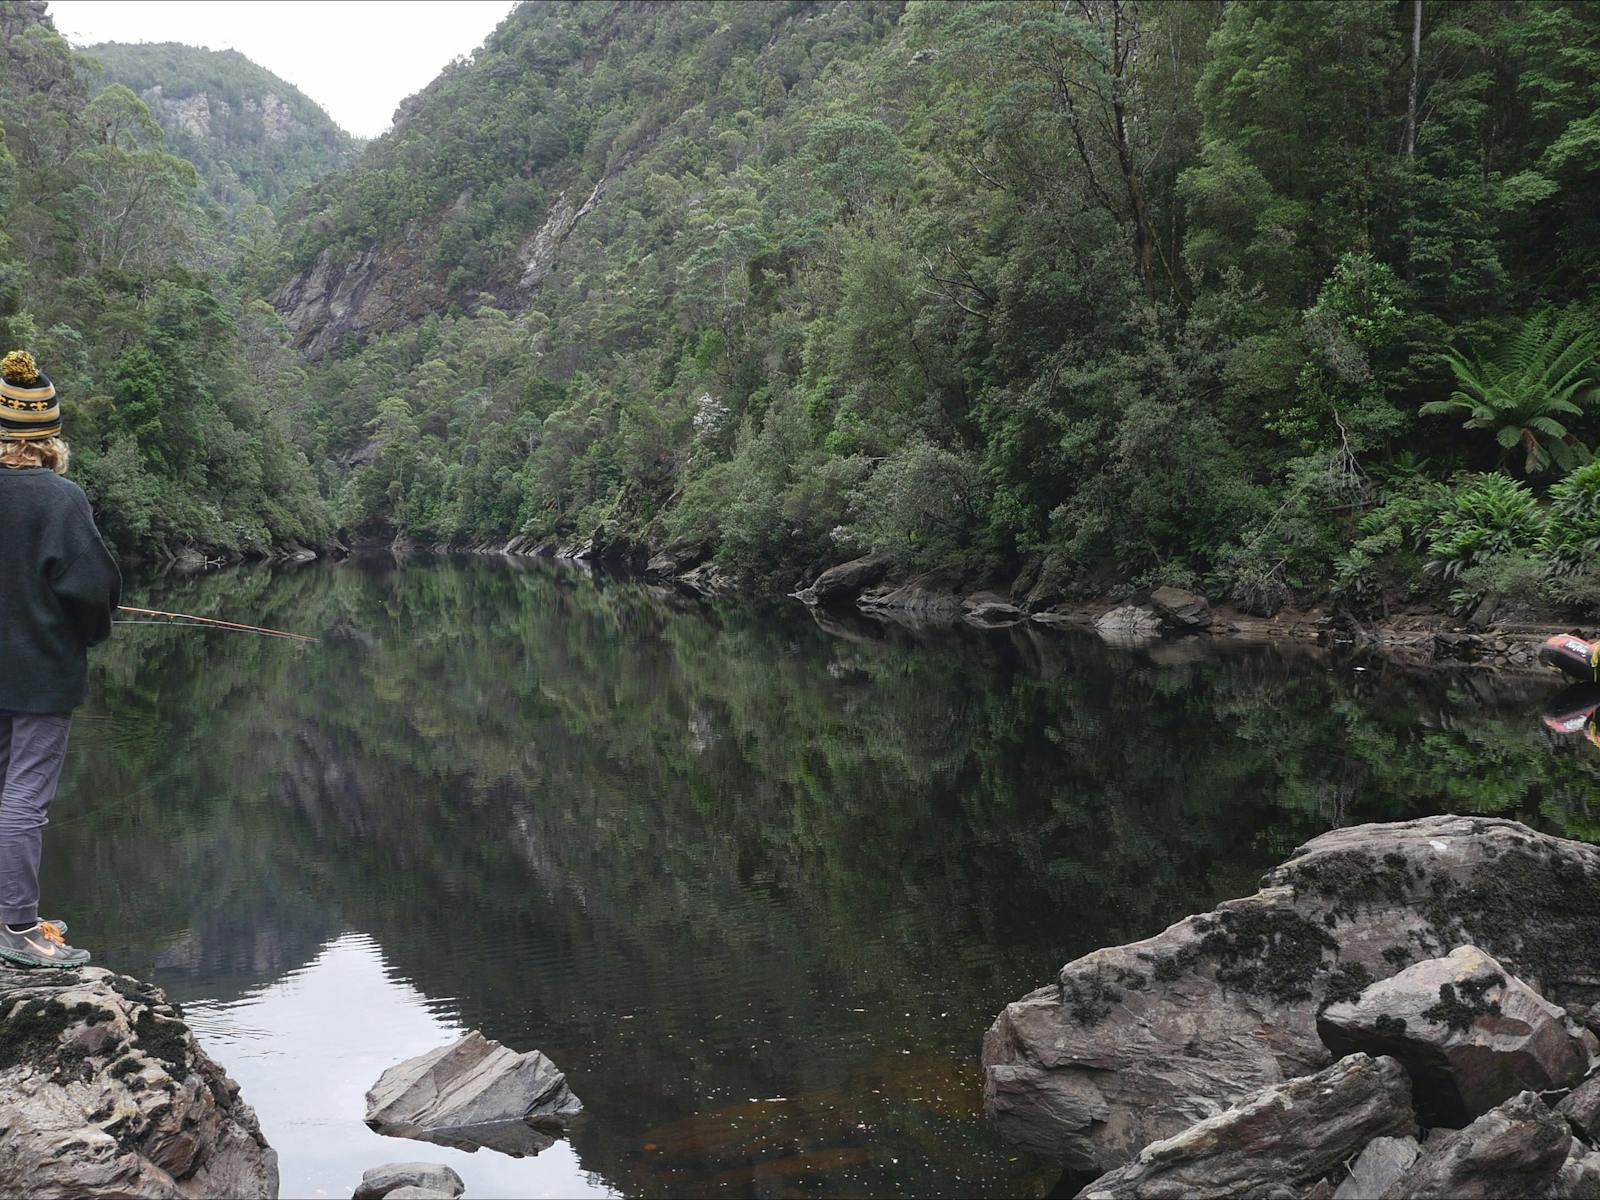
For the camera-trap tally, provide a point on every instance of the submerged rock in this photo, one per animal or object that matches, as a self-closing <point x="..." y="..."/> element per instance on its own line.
<point x="1288" y="1134"/>
<point x="1136" y="1043"/>
<point x="392" y="1178"/>
<point x="1471" y="1034"/>
<point x="1517" y="1149"/>
<point x="104" y="1093"/>
<point x="474" y="1093"/>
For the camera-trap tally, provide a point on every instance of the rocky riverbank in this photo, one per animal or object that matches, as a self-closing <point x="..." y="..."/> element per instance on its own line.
<point x="1404" y="1009"/>
<point x="105" y="1093"/>
<point x="871" y="588"/>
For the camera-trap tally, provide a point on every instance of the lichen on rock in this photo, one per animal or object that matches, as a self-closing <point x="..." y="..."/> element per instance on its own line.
<point x="104" y="1092"/>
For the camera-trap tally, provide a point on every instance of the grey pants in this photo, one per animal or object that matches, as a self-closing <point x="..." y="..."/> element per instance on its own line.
<point x="32" y="750"/>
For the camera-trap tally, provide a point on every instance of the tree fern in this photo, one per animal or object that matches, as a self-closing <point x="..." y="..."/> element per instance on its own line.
<point x="1542" y="374"/>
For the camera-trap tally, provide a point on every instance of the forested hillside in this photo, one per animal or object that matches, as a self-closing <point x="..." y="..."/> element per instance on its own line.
<point x="1184" y="292"/>
<point x="172" y="381"/>
<point x="1281" y="299"/>
<point x="253" y="137"/>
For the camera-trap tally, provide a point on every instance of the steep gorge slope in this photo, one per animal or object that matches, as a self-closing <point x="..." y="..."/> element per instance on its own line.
<point x="254" y="137"/>
<point x="1154" y="291"/>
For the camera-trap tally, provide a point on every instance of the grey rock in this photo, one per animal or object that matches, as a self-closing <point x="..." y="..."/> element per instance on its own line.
<point x="1517" y="1149"/>
<point x="1383" y="1161"/>
<point x="1472" y="1034"/>
<point x="1582" y="1107"/>
<point x="474" y="1092"/>
<point x="1579" y="1176"/>
<point x="412" y="1192"/>
<point x="382" y="1181"/>
<point x="1129" y="624"/>
<point x="1135" y="1043"/>
<point x="708" y="580"/>
<point x="105" y="1093"/>
<point x="990" y="609"/>
<point x="1288" y="1134"/>
<point x="675" y="559"/>
<point x="843" y="583"/>
<point x="922" y="599"/>
<point x="1181" y="610"/>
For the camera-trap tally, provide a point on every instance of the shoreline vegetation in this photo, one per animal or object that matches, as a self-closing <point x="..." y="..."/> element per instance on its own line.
<point x="1298" y="312"/>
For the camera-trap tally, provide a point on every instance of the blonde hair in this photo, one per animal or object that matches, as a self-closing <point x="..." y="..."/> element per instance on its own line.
<point x="52" y="452"/>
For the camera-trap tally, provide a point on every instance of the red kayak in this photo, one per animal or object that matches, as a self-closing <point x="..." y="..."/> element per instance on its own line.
<point x="1573" y="657"/>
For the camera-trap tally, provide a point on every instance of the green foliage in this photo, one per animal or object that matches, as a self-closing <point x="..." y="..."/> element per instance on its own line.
<point x="175" y="388"/>
<point x="1571" y="539"/>
<point x="1482" y="533"/>
<point x="1524" y="392"/>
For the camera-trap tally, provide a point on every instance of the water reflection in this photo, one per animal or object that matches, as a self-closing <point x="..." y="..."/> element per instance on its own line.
<point x="306" y="1048"/>
<point x="757" y="886"/>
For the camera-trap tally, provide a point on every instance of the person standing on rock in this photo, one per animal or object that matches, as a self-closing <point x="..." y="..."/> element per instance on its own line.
<point x="58" y="589"/>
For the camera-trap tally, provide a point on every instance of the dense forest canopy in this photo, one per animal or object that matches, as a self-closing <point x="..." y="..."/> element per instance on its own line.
<point x="1274" y="297"/>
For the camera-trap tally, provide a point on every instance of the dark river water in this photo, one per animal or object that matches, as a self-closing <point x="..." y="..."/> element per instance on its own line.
<point x="757" y="886"/>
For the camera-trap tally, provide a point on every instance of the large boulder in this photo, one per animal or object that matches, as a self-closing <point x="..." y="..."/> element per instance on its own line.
<point x="928" y="598"/>
<point x="1517" y="1149"/>
<point x="472" y="1093"/>
<point x="1135" y="1043"/>
<point x="105" y="1093"/>
<point x="991" y="609"/>
<point x="1181" y="610"/>
<point x="1288" y="1134"/>
<point x="1130" y="624"/>
<point x="1471" y="1034"/>
<point x="843" y="583"/>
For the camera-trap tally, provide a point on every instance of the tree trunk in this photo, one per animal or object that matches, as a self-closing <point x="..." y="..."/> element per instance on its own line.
<point x="1416" y="79"/>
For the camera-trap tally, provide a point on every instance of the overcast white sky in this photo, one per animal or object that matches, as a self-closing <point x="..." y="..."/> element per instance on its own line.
<point x="356" y="58"/>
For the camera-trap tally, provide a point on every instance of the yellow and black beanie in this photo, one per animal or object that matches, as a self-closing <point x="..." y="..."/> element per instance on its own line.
<point x="28" y="407"/>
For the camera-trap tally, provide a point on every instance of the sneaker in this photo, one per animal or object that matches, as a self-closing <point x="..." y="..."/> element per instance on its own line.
<point x="41" y="946"/>
<point x="60" y="926"/>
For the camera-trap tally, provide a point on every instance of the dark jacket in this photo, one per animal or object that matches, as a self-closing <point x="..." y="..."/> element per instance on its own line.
<point x="58" y="589"/>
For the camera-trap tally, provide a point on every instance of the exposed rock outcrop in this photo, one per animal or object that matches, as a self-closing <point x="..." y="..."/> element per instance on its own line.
<point x="1517" y="1149"/>
<point x="375" y="290"/>
<point x="1383" y="1161"/>
<point x="472" y="1093"/>
<point x="1290" y="1134"/>
<point x="1471" y="1034"/>
<point x="1180" y="610"/>
<point x="104" y="1093"/>
<point x="930" y="597"/>
<point x="844" y="583"/>
<point x="1135" y="1043"/>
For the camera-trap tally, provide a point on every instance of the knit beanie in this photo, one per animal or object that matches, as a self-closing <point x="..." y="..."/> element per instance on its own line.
<point x="28" y="408"/>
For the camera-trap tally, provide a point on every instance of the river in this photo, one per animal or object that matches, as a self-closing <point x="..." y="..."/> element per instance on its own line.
<point x="757" y="886"/>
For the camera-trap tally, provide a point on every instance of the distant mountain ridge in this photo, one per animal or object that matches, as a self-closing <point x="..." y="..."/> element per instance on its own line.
<point x="254" y="137"/>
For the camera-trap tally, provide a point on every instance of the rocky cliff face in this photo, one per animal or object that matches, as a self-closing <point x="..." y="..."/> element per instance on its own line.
<point x="104" y="1093"/>
<point x="373" y="291"/>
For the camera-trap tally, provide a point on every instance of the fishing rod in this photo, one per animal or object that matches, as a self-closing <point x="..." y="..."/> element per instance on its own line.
<point x="172" y="618"/>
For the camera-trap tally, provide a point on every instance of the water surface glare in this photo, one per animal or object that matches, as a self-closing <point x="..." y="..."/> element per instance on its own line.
<point x="757" y="885"/>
